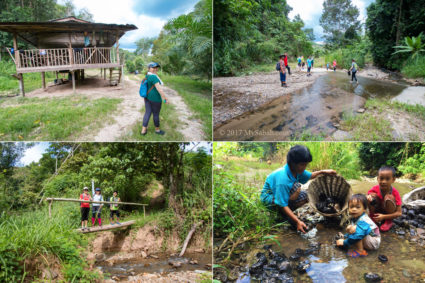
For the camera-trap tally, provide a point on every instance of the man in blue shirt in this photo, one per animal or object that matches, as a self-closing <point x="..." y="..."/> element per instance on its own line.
<point x="282" y="189"/>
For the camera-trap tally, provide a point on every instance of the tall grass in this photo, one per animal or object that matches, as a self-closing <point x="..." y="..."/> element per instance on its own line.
<point x="52" y="119"/>
<point x="9" y="84"/>
<point x="414" y="68"/>
<point x="344" y="57"/>
<point x="33" y="234"/>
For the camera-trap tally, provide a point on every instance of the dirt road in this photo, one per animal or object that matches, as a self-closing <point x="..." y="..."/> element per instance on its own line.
<point x="129" y="110"/>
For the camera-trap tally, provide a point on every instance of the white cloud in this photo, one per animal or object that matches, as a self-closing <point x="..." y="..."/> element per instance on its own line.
<point x="33" y="154"/>
<point x="107" y="11"/>
<point x="306" y="9"/>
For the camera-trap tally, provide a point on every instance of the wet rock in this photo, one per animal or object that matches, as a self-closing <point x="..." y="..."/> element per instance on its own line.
<point x="361" y="110"/>
<point x="421" y="233"/>
<point x="303" y="266"/>
<point x="143" y="254"/>
<point x="100" y="257"/>
<point x="278" y="257"/>
<point x="284" y="267"/>
<point x="193" y="262"/>
<point x="412" y="232"/>
<point x="295" y="257"/>
<point x="267" y="247"/>
<point x="154" y="256"/>
<point x="411" y="213"/>
<point x="372" y="277"/>
<point x="383" y="258"/>
<point x="401" y="232"/>
<point x="258" y="266"/>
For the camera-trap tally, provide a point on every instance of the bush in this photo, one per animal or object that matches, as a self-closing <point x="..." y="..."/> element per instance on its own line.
<point x="414" y="68"/>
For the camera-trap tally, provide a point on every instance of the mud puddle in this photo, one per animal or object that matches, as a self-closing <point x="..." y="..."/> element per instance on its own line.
<point x="160" y="266"/>
<point x="314" y="110"/>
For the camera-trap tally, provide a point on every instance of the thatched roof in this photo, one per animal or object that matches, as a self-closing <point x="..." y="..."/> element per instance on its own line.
<point x="55" y="33"/>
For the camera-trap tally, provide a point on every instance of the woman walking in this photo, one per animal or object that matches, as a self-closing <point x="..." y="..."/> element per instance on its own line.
<point x="154" y="99"/>
<point x="85" y="208"/>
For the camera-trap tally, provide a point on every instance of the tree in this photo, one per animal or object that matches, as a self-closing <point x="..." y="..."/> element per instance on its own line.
<point x="388" y="21"/>
<point x="144" y="45"/>
<point x="309" y="32"/>
<point x="413" y="46"/>
<point x="340" y="22"/>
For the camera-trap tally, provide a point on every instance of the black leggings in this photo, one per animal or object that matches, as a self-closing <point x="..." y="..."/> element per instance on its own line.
<point x="151" y="107"/>
<point x="353" y="76"/>
<point x="289" y="69"/>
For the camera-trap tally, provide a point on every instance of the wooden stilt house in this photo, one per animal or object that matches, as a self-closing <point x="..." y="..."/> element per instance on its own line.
<point x="66" y="45"/>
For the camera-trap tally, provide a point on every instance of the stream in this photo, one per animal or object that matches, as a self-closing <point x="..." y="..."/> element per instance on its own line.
<point x="160" y="266"/>
<point x="315" y="109"/>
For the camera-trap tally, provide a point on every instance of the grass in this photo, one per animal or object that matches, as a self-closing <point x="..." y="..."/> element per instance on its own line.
<point x="32" y="235"/>
<point x="197" y="96"/>
<point x="169" y="122"/>
<point x="51" y="119"/>
<point x="10" y="85"/>
<point x="414" y="68"/>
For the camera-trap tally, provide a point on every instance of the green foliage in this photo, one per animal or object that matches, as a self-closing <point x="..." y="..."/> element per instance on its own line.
<point x="413" y="46"/>
<point x="251" y="32"/>
<point x="51" y="119"/>
<point x="340" y="23"/>
<point x="32" y="234"/>
<point x="237" y="207"/>
<point x="144" y="45"/>
<point x="415" y="164"/>
<point x="130" y="66"/>
<point x="387" y="23"/>
<point x="357" y="51"/>
<point x="184" y="46"/>
<point x="414" y="68"/>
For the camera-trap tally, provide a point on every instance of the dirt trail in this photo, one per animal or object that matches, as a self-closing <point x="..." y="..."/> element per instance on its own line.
<point x="128" y="113"/>
<point x="234" y="96"/>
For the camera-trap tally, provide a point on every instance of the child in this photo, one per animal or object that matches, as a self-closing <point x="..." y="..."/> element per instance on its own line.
<point x="114" y="208"/>
<point x="97" y="207"/>
<point x="282" y="71"/>
<point x="299" y="63"/>
<point x="362" y="233"/>
<point x="384" y="200"/>
<point x="282" y="189"/>
<point x="303" y="63"/>
<point x="309" y="65"/>
<point x="85" y="208"/>
<point x="327" y="67"/>
<point x="285" y="60"/>
<point x="334" y="65"/>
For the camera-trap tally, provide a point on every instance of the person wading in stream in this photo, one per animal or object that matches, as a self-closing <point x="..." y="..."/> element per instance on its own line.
<point x="85" y="208"/>
<point x="282" y="189"/>
<point x="114" y="208"/>
<point x="334" y="65"/>
<point x="353" y="70"/>
<point x="97" y="207"/>
<point x="154" y="100"/>
<point x="282" y="72"/>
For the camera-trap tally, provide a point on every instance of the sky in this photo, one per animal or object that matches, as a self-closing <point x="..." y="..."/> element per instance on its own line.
<point x="148" y="15"/>
<point x="311" y="10"/>
<point x="34" y="153"/>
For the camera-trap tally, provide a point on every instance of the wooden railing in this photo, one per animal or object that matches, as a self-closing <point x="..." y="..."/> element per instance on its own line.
<point x="66" y="58"/>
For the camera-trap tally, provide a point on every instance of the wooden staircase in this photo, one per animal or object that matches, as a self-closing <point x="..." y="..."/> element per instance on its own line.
<point x="114" y="76"/>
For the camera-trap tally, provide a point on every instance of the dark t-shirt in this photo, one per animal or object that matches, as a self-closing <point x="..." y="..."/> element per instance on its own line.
<point x="153" y="95"/>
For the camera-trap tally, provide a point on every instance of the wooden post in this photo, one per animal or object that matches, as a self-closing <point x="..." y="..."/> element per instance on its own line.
<point x="21" y="84"/>
<point x="73" y="81"/>
<point x="122" y="75"/>
<point x="110" y="74"/>
<point x="50" y="208"/>
<point x="15" y="47"/>
<point x="57" y="78"/>
<point x="43" y="79"/>
<point x="104" y="73"/>
<point x="82" y="74"/>
<point x="118" y="50"/>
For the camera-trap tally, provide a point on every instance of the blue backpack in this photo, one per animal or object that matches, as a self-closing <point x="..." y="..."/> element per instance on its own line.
<point x="278" y="66"/>
<point x="144" y="88"/>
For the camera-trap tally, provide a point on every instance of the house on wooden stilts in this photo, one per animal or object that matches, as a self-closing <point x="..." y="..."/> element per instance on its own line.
<point x="67" y="45"/>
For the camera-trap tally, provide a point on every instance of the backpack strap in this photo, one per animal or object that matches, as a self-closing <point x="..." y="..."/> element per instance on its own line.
<point x="150" y="88"/>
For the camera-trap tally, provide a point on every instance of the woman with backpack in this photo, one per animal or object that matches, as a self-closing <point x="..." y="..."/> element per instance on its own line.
<point x="155" y="98"/>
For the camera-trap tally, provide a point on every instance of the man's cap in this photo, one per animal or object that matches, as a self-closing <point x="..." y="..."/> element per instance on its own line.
<point x="86" y="189"/>
<point x="97" y="189"/>
<point x="153" y="65"/>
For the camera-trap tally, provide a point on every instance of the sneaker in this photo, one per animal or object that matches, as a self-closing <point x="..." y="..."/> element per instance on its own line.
<point x="160" y="132"/>
<point x="355" y="253"/>
<point x="143" y="133"/>
<point x="118" y="223"/>
<point x="386" y="226"/>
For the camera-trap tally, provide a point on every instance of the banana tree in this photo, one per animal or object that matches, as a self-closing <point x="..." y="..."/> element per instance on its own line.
<point x="413" y="46"/>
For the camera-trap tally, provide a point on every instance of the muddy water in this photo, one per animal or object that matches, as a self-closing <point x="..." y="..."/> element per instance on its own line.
<point x="151" y="265"/>
<point x="313" y="110"/>
<point x="331" y="264"/>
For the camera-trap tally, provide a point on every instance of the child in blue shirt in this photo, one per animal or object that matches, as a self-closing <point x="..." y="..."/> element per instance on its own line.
<point x="282" y="189"/>
<point x="362" y="233"/>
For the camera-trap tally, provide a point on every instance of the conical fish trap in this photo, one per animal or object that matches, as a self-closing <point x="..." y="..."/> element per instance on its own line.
<point x="329" y="195"/>
<point x="415" y="198"/>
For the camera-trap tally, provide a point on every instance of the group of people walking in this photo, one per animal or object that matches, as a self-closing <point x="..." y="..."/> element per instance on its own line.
<point x="97" y="207"/>
<point x="282" y="66"/>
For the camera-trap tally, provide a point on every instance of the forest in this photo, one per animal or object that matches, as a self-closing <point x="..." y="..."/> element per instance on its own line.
<point x="255" y="32"/>
<point x="173" y="179"/>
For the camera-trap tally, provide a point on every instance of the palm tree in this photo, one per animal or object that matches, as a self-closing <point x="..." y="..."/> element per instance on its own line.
<point x="413" y="46"/>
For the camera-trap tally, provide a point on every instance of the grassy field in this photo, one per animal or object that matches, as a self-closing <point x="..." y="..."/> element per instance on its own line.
<point x="9" y="85"/>
<point x="52" y="119"/>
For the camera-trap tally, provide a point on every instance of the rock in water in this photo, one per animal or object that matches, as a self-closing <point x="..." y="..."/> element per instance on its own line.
<point x="372" y="277"/>
<point x="303" y="266"/>
<point x="383" y="258"/>
<point x="258" y="266"/>
<point x="284" y="267"/>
